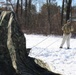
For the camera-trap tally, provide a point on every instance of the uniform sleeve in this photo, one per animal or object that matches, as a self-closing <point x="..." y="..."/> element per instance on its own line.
<point x="72" y="28"/>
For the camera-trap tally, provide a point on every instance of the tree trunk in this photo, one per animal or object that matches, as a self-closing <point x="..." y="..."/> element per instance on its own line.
<point x="62" y="13"/>
<point x="21" y="7"/>
<point x="26" y="12"/>
<point x="48" y="10"/>
<point x="17" y="6"/>
<point x="29" y="13"/>
<point x="68" y="11"/>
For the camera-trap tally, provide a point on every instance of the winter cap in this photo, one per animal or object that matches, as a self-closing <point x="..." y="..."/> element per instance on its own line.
<point x="68" y="20"/>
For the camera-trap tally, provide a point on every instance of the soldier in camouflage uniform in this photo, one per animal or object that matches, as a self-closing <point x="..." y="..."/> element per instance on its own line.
<point x="67" y="29"/>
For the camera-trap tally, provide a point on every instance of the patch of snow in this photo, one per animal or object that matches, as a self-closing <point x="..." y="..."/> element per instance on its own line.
<point x="46" y="48"/>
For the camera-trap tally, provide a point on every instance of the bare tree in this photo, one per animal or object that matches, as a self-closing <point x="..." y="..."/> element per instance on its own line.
<point x="17" y="6"/>
<point x="62" y="12"/>
<point x="29" y="12"/>
<point x="25" y="11"/>
<point x="21" y="7"/>
<point x="48" y="10"/>
<point x="68" y="11"/>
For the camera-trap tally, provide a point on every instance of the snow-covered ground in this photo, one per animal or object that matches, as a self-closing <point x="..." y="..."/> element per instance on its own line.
<point x="46" y="48"/>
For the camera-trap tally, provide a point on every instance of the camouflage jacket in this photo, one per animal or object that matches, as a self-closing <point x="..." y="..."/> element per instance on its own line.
<point x="67" y="29"/>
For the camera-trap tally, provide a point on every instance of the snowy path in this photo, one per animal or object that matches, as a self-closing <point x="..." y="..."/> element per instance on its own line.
<point x="62" y="61"/>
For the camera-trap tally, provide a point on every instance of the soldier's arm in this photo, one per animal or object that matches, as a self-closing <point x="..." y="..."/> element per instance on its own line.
<point x="72" y="28"/>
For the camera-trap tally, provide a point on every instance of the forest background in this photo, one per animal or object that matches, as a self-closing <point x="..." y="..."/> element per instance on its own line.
<point x="42" y="16"/>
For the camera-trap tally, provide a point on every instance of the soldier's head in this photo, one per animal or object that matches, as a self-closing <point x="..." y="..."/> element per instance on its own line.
<point x="68" y="22"/>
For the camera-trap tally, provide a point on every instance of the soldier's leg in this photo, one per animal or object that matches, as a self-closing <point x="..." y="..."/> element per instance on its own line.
<point x="63" y="40"/>
<point x="68" y="41"/>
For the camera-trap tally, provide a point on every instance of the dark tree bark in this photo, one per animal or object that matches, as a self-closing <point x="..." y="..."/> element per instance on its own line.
<point x="25" y="12"/>
<point x="17" y="6"/>
<point x="62" y="13"/>
<point x="48" y="10"/>
<point x="68" y="11"/>
<point x="29" y="13"/>
<point x="21" y="7"/>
